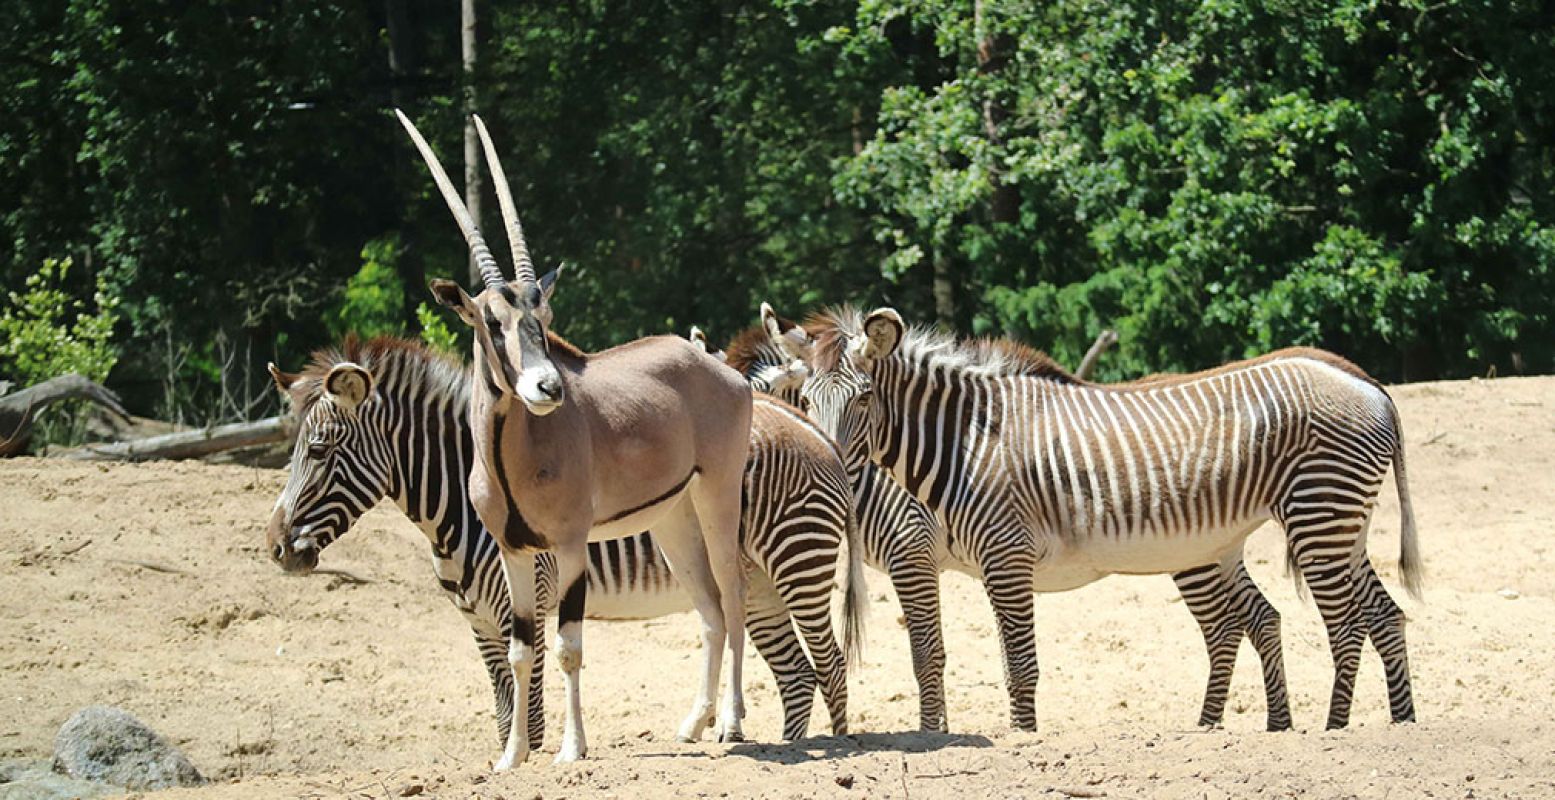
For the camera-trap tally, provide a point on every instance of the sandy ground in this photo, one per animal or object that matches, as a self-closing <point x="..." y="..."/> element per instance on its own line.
<point x="144" y="586"/>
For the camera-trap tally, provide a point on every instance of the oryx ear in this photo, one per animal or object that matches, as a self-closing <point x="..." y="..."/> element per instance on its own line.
<point x="883" y="331"/>
<point x="699" y="339"/>
<point x="452" y="295"/>
<point x="283" y="380"/>
<point x="348" y="385"/>
<point x="548" y="283"/>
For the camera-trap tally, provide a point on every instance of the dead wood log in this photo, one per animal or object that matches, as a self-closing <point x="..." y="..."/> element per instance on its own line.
<point x="19" y="409"/>
<point x="188" y="444"/>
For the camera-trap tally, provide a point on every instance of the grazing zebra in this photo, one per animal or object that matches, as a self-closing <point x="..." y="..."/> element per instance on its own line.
<point x="905" y="540"/>
<point x="411" y="442"/>
<point x="1050" y="482"/>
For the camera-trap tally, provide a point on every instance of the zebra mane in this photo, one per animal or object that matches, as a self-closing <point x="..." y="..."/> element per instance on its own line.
<point x="834" y="328"/>
<point x="752" y="346"/>
<point x="399" y="366"/>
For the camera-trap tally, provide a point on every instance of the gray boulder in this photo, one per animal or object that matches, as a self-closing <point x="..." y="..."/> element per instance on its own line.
<point x="100" y="743"/>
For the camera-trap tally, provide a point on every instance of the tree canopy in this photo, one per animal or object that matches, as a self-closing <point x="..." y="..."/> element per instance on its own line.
<point x="1212" y="179"/>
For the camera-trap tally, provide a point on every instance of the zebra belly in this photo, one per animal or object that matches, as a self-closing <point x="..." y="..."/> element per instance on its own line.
<point x="1155" y="554"/>
<point x="636" y="603"/>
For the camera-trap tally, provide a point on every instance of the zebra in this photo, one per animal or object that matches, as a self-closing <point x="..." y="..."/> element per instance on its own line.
<point x="1049" y="482"/>
<point x="905" y="540"/>
<point x="412" y="444"/>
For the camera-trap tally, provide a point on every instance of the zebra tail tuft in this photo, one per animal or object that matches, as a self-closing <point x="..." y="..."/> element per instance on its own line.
<point x="1410" y="568"/>
<point x="855" y="598"/>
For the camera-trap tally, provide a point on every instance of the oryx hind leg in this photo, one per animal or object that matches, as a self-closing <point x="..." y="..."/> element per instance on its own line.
<point x="572" y="583"/>
<point x="717" y="498"/>
<point x="772" y="631"/>
<point x="680" y="538"/>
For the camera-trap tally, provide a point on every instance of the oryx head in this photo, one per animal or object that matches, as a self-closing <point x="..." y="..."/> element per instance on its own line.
<point x="511" y="318"/>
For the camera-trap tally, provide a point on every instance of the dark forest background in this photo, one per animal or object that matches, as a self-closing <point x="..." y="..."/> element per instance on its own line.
<point x="190" y="189"/>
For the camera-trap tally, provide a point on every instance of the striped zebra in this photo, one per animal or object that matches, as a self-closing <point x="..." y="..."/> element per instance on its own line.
<point x="411" y="443"/>
<point x="1046" y="481"/>
<point x="905" y="540"/>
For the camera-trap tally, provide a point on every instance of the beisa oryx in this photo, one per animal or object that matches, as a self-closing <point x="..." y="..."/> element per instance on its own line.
<point x="574" y="447"/>
<point x="908" y="542"/>
<point x="1050" y="482"/>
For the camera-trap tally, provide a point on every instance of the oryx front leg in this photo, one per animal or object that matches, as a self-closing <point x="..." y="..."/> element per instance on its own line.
<point x="519" y="568"/>
<point x="571" y="566"/>
<point x="680" y="537"/>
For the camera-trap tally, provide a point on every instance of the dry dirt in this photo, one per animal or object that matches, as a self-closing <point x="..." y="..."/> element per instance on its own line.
<point x="144" y="586"/>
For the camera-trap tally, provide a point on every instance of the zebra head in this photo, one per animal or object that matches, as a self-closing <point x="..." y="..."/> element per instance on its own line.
<point x="340" y="464"/>
<point x="839" y="394"/>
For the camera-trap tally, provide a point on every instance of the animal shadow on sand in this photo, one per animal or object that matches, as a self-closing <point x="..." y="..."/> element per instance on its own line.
<point x="826" y="747"/>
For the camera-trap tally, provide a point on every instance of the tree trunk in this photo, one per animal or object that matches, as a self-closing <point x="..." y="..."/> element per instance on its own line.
<point x="188" y="444"/>
<point x="472" y="146"/>
<point x="944" y="291"/>
<point x="992" y="54"/>
<point x="410" y="265"/>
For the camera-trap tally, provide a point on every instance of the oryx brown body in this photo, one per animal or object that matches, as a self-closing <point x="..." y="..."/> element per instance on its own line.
<point x="573" y="447"/>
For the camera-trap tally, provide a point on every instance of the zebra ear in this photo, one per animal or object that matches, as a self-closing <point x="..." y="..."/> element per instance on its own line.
<point x="790" y="338"/>
<point x="283" y="380"/>
<point x="883" y="331"/>
<point x="348" y="385"/>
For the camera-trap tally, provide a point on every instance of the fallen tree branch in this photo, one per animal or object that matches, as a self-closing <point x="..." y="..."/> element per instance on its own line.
<point x="187" y="444"/>
<point x="19" y="409"/>
<point x="1104" y="340"/>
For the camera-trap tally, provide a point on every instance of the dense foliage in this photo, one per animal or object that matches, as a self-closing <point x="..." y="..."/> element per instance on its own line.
<point x="1213" y="179"/>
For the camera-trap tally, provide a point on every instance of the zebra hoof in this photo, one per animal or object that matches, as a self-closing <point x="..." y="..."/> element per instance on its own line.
<point x="1279" y="726"/>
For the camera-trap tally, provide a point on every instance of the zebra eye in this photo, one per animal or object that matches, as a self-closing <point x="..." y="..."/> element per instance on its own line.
<point x="317" y="450"/>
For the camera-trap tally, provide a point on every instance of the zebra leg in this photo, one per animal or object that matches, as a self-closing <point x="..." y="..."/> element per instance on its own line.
<point x="571" y="573"/>
<point x="1010" y="592"/>
<point x="916" y="581"/>
<point x="772" y="632"/>
<point x="807" y="596"/>
<point x="1385" y="626"/>
<point x="1261" y="622"/>
<point x="519" y="568"/>
<point x="1327" y="568"/>
<point x="545" y="600"/>
<point x="1207" y="593"/>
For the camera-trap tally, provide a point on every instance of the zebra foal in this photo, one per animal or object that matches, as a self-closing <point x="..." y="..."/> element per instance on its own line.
<point x="408" y="438"/>
<point x="1049" y="482"/>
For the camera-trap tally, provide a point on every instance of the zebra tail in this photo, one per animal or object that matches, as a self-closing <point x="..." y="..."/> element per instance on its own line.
<point x="1410" y="569"/>
<point x="855" y="600"/>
